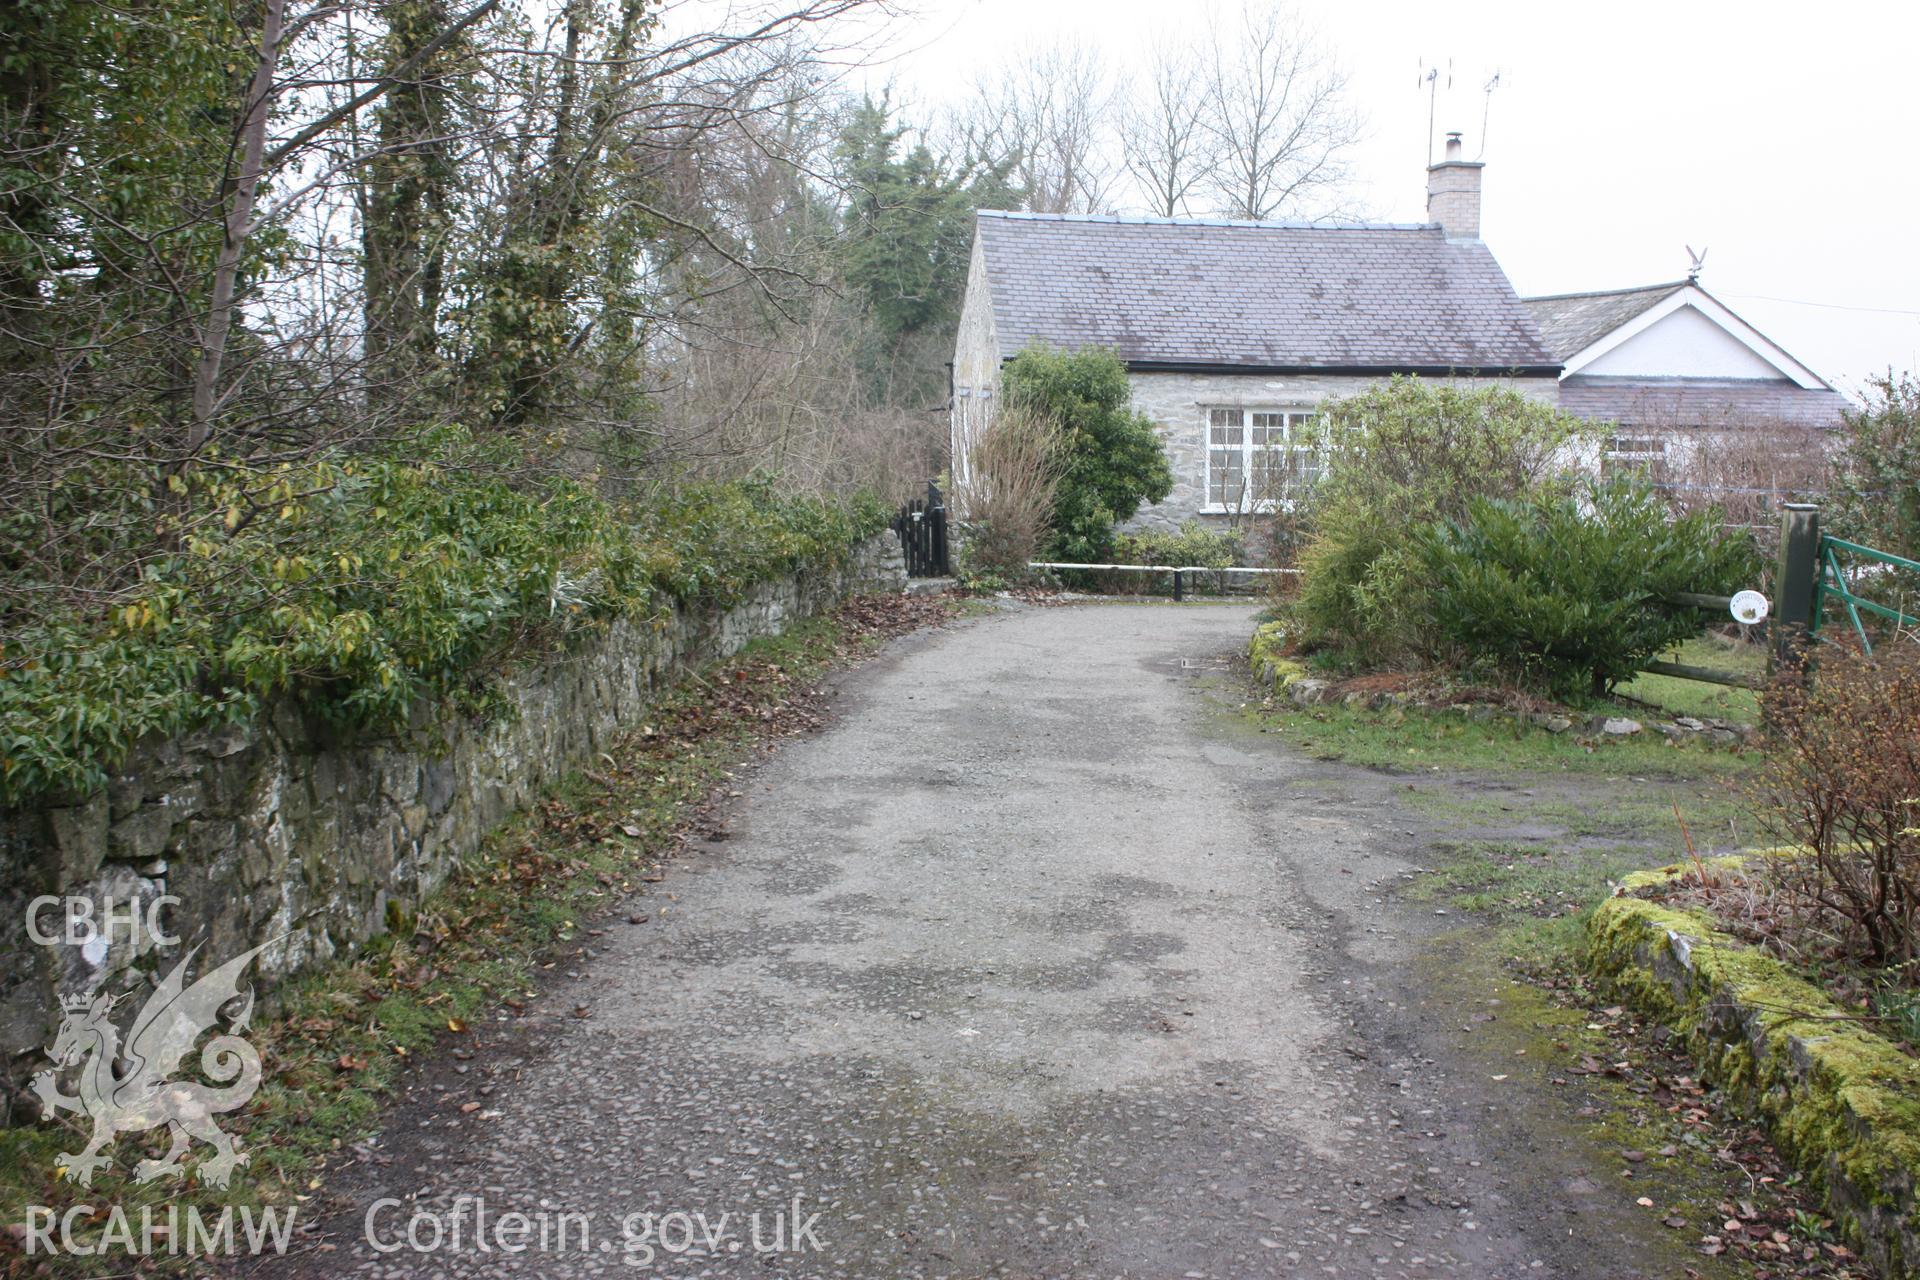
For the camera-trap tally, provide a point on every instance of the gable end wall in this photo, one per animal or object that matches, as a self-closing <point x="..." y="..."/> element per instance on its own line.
<point x="976" y="369"/>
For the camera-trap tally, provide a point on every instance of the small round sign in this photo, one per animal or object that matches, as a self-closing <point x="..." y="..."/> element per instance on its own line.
<point x="1748" y="607"/>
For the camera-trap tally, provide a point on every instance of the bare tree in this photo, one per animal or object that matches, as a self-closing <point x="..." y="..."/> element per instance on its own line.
<point x="1745" y="466"/>
<point x="1164" y="140"/>
<point x="237" y="245"/>
<point x="237" y="225"/>
<point x="1010" y="499"/>
<point x="1047" y="114"/>
<point x="1276" y="114"/>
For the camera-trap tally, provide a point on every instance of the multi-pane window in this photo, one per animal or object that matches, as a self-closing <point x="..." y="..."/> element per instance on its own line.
<point x="1259" y="457"/>
<point x="1644" y="456"/>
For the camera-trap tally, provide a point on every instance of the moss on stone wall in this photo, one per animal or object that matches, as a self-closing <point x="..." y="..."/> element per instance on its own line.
<point x="1265" y="651"/>
<point x="289" y="832"/>
<point x="1842" y="1102"/>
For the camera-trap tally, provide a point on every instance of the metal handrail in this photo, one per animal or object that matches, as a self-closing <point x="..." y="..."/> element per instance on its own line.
<point x="1872" y="553"/>
<point x="1179" y="571"/>
<point x="1157" y="568"/>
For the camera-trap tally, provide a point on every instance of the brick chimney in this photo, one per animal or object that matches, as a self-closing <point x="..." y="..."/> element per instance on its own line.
<point x="1453" y="193"/>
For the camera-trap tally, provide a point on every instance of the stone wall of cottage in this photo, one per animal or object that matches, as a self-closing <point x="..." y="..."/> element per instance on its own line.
<point x="284" y="831"/>
<point x="1178" y="404"/>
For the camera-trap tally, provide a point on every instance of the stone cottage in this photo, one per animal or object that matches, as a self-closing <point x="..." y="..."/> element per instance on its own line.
<point x="1232" y="332"/>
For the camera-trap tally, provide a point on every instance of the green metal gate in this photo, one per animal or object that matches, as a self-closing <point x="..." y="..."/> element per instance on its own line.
<point x="1816" y="569"/>
<point x="1831" y="582"/>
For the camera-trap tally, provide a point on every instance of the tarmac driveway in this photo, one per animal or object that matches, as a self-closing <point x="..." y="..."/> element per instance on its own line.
<point x="1030" y="965"/>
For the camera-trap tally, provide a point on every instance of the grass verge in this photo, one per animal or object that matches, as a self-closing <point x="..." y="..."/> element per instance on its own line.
<point x="334" y="1043"/>
<point x="1517" y="837"/>
<point x="1679" y="697"/>
<point x="1424" y="740"/>
<point x="1525" y="831"/>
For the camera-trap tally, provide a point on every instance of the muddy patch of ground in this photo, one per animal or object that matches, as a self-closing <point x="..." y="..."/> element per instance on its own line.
<point x="1603" y="1132"/>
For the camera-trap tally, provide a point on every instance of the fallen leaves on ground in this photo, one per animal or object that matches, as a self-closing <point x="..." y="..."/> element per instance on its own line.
<point x="341" y="1040"/>
<point x="1763" y="1217"/>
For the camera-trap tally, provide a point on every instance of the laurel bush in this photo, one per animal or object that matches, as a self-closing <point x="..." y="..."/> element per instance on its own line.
<point x="1567" y="593"/>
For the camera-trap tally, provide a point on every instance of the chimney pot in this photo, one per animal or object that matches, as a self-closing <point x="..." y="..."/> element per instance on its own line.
<point x="1453" y="193"/>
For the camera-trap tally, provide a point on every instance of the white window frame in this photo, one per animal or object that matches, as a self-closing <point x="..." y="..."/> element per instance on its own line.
<point x="1254" y="425"/>
<point x="1627" y="450"/>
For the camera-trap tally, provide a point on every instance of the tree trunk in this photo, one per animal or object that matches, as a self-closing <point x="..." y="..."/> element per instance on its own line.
<point x="406" y="207"/>
<point x="558" y="204"/>
<point x="239" y="226"/>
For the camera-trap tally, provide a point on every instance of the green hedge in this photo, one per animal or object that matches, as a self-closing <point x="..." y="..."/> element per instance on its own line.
<point x="1192" y="545"/>
<point x="360" y="585"/>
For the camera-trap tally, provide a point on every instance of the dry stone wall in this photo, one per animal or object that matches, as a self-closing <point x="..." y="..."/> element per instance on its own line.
<point x="286" y="832"/>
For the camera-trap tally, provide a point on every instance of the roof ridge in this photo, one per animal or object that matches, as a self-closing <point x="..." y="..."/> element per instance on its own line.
<point x="1184" y="294"/>
<point x="1146" y="220"/>
<point x="1668" y="287"/>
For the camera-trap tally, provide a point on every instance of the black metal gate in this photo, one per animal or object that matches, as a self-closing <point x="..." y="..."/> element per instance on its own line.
<point x="922" y="526"/>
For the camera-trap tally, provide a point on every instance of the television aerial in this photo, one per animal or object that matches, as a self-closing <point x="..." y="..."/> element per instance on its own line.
<point x="1430" y="77"/>
<point x="1486" y="108"/>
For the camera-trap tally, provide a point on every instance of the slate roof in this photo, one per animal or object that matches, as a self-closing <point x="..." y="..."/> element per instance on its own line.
<point x="1257" y="296"/>
<point x="1699" y="402"/>
<point x="1572" y="322"/>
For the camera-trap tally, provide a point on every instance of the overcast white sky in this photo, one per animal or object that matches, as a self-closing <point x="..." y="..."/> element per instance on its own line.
<point x="1784" y="138"/>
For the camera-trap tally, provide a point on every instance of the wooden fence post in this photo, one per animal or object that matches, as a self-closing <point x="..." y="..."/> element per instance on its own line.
<point x="1795" y="579"/>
